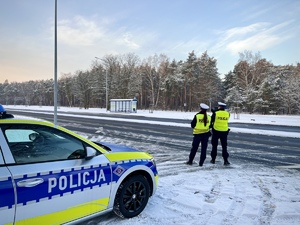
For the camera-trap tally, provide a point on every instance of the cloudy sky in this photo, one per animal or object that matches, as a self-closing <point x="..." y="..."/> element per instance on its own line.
<point x="95" y="28"/>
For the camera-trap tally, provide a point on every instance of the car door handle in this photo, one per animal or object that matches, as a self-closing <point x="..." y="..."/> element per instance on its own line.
<point x="30" y="182"/>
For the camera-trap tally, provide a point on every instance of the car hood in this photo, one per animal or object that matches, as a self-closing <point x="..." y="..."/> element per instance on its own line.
<point x="115" y="147"/>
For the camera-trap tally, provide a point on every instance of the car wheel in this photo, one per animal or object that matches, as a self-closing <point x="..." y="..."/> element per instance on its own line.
<point x="132" y="197"/>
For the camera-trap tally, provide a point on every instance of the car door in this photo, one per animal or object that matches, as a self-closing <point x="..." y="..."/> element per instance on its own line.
<point x="7" y="203"/>
<point x="54" y="181"/>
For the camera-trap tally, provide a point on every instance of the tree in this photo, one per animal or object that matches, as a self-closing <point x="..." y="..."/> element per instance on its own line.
<point x="254" y="84"/>
<point x="129" y="81"/>
<point x="249" y="73"/>
<point x="66" y="90"/>
<point x="289" y="89"/>
<point x="190" y="72"/>
<point x="153" y="77"/>
<point x="209" y="83"/>
<point x="173" y="83"/>
<point x="84" y="86"/>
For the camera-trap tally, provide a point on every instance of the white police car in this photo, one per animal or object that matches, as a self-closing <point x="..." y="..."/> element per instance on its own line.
<point x="50" y="175"/>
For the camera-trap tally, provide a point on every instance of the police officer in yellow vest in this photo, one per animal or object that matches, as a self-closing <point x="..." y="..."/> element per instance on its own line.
<point x="200" y="125"/>
<point x="220" y="130"/>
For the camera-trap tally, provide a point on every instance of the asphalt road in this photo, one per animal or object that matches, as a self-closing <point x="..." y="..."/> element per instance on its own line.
<point x="170" y="143"/>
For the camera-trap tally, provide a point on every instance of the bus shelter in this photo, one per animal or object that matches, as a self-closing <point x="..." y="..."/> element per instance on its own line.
<point x="123" y="105"/>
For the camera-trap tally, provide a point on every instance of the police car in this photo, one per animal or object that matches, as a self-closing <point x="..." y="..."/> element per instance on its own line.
<point x="50" y="175"/>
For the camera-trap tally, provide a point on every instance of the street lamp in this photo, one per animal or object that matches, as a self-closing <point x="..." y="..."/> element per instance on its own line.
<point x="55" y="64"/>
<point x="106" y="91"/>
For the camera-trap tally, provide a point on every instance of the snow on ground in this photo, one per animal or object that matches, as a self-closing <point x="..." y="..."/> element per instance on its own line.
<point x="241" y="118"/>
<point x="213" y="194"/>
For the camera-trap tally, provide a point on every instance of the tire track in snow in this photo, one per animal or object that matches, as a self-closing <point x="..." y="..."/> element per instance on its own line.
<point x="267" y="207"/>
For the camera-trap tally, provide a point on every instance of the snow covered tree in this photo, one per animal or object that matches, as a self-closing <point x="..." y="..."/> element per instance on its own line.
<point x="153" y="77"/>
<point x="66" y="90"/>
<point x="289" y="92"/>
<point x="84" y="86"/>
<point x="130" y="82"/>
<point x="210" y="88"/>
<point x="173" y="87"/>
<point x="254" y="84"/>
<point x="190" y="72"/>
<point x="249" y="73"/>
<point x="163" y="71"/>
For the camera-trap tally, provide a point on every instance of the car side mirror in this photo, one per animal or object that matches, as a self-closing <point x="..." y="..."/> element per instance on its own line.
<point x="33" y="136"/>
<point x="90" y="153"/>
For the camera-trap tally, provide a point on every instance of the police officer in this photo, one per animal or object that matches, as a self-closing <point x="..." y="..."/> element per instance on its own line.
<point x="200" y="125"/>
<point x="3" y="114"/>
<point x="220" y="130"/>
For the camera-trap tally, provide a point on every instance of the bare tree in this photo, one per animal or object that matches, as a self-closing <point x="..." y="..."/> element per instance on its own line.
<point x="66" y="89"/>
<point x="150" y="69"/>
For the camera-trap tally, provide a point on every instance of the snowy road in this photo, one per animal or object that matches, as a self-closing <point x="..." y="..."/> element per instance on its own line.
<point x="251" y="191"/>
<point x="174" y="142"/>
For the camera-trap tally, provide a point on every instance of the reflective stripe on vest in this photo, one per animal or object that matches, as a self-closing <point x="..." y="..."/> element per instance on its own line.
<point x="221" y="120"/>
<point x="200" y="128"/>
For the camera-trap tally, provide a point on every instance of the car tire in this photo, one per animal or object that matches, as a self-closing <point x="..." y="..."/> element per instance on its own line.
<point x="132" y="197"/>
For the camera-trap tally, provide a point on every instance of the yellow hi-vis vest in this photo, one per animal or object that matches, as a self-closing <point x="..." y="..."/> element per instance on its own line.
<point x="221" y="120"/>
<point x="200" y="128"/>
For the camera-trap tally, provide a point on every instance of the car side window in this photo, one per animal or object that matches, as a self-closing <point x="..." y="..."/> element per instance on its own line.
<point x="37" y="143"/>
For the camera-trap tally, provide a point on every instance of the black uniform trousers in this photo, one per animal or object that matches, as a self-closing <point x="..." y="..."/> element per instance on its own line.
<point x="203" y="139"/>
<point x="222" y="135"/>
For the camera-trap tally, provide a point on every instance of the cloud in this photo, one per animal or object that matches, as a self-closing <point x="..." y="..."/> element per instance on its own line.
<point x="255" y="37"/>
<point x="241" y="31"/>
<point x="84" y="32"/>
<point x="127" y="39"/>
<point x="79" y="31"/>
<point x="254" y="43"/>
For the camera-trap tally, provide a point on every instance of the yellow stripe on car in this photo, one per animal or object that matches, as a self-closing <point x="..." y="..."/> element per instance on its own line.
<point x="121" y="156"/>
<point x="70" y="214"/>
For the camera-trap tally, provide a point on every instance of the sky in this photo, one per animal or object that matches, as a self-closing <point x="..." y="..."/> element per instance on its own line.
<point x="243" y="193"/>
<point x="94" y="28"/>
